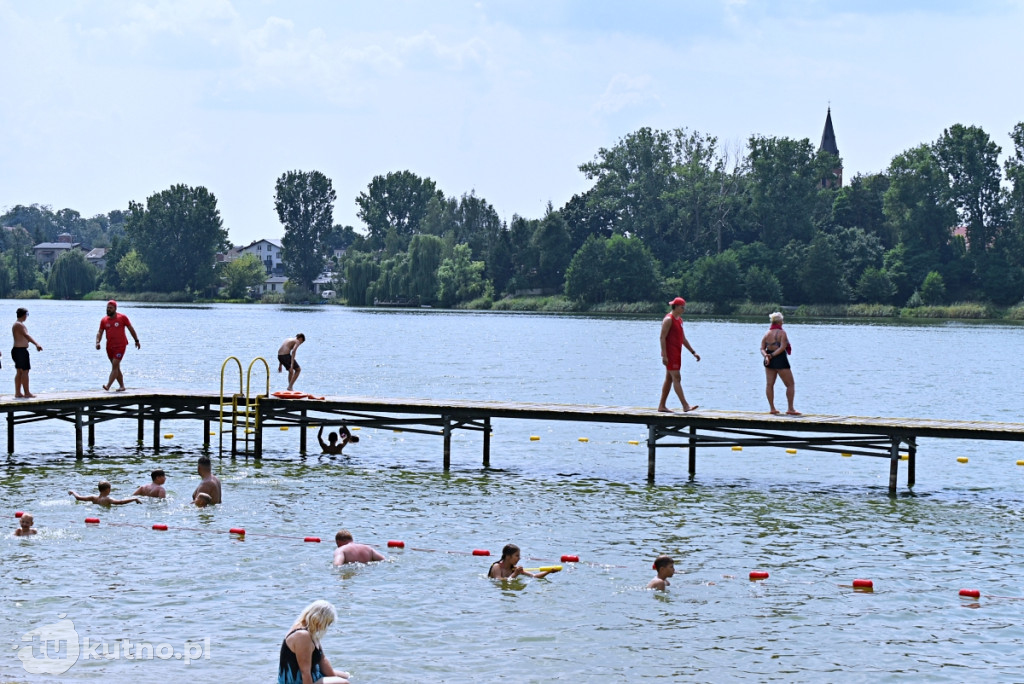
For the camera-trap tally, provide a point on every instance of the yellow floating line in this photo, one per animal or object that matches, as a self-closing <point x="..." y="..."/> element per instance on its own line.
<point x="213" y="434"/>
<point x="1020" y="463"/>
<point x="356" y="428"/>
<point x="961" y="459"/>
<point x="846" y="455"/>
<point x="168" y="436"/>
<point x="737" y="448"/>
<point x="396" y="430"/>
<point x="634" y="442"/>
<point x="904" y="457"/>
<point x="534" y="438"/>
<point x="248" y="430"/>
<point x="284" y="428"/>
<point x="790" y="451"/>
<point x="584" y="439"/>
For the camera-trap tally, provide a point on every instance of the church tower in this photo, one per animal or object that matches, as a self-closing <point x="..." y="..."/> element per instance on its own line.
<point x="828" y="143"/>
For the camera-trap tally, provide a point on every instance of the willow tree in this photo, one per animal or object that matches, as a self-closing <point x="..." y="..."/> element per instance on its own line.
<point x="71" y="276"/>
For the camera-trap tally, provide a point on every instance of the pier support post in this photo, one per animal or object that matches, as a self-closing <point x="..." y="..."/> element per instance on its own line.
<point x="487" y="442"/>
<point x="142" y="424"/>
<point x="447" y="441"/>
<point x="894" y="463"/>
<point x="693" y="451"/>
<point x="206" y="427"/>
<point x="911" y="461"/>
<point x="79" y="451"/>
<point x="652" y="442"/>
<point x="91" y="422"/>
<point x="303" y="429"/>
<point x="257" y="442"/>
<point x="156" y="432"/>
<point x="10" y="432"/>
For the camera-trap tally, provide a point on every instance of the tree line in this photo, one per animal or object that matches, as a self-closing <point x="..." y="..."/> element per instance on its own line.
<point x="668" y="211"/>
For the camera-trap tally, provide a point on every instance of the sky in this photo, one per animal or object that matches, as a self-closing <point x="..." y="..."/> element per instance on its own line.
<point x="108" y="101"/>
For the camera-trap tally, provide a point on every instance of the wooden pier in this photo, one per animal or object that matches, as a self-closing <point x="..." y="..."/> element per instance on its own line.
<point x="242" y="422"/>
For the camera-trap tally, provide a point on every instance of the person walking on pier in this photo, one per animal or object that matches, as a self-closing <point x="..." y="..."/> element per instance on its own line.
<point x="19" y="354"/>
<point x="775" y="349"/>
<point x="114" y="324"/>
<point x="210" y="484"/>
<point x="286" y="359"/>
<point x="673" y="339"/>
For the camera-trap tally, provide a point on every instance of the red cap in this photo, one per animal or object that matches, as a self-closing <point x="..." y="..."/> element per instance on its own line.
<point x="678" y="301"/>
<point x="112" y="303"/>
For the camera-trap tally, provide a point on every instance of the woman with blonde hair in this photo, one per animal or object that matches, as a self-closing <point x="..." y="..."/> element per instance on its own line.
<point x="775" y="349"/>
<point x="302" y="657"/>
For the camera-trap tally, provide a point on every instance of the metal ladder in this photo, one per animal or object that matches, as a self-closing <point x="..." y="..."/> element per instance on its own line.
<point x="242" y="409"/>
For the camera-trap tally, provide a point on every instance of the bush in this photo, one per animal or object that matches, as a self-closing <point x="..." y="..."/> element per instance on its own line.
<point x="933" y="289"/>
<point x="26" y="294"/>
<point x="872" y="311"/>
<point x="759" y="309"/>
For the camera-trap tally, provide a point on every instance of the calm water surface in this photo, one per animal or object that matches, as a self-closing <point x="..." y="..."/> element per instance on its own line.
<point x="814" y="521"/>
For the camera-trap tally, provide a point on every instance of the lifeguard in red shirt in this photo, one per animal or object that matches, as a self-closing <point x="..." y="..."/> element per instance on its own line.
<point x="114" y="324"/>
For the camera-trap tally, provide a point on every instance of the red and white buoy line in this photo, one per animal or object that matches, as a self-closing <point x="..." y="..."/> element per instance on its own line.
<point x="859" y="585"/>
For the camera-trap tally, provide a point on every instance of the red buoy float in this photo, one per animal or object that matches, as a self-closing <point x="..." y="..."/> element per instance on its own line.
<point x="570" y="559"/>
<point x="18" y="514"/>
<point x="159" y="526"/>
<point x="312" y="539"/>
<point x="237" y="530"/>
<point x="970" y="593"/>
<point x="481" y="552"/>
<point x="92" y="521"/>
<point x="863" y="584"/>
<point x="758" y="575"/>
<point x="396" y="544"/>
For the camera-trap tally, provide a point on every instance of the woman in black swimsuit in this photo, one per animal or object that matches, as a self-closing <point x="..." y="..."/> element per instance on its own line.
<point x="302" y="657"/>
<point x="775" y="349"/>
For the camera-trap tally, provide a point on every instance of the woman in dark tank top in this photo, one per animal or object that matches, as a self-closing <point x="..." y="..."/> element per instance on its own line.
<point x="302" y="656"/>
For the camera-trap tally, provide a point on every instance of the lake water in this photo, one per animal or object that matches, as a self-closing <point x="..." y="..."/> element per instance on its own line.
<point x="814" y="521"/>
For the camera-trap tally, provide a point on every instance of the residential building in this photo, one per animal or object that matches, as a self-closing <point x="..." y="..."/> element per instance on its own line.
<point x="97" y="257"/>
<point x="267" y="250"/>
<point x="47" y="252"/>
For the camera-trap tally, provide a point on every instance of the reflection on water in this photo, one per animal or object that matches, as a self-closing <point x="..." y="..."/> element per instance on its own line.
<point x="814" y="521"/>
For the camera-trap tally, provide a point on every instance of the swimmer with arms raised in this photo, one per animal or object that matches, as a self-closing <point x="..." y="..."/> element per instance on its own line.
<point x="665" y="567"/>
<point x="349" y="551"/>
<point x="506" y="568"/>
<point x="332" y="445"/>
<point x="103" y="498"/>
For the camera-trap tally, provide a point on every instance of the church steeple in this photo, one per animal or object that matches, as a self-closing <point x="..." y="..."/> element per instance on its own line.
<point x="828" y="144"/>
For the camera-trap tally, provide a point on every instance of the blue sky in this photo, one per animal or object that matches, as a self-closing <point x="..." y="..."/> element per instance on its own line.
<point x="107" y="102"/>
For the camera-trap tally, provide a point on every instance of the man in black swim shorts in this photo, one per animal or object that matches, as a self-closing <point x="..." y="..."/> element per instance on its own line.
<point x="19" y="353"/>
<point x="286" y="359"/>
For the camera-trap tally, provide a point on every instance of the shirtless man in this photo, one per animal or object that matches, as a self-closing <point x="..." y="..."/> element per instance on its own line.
<point x="114" y="324"/>
<point x="286" y="359"/>
<point x="26" y="528"/>
<point x="155" y="488"/>
<point x="210" y="484"/>
<point x="350" y="552"/>
<point x="19" y="354"/>
<point x="332" y="446"/>
<point x="103" y="498"/>
<point x="665" y="567"/>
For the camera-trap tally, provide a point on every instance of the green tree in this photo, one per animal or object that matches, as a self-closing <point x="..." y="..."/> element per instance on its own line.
<point x="970" y="159"/>
<point x="860" y="205"/>
<point x="361" y="272"/>
<point x="933" y="289"/>
<point x="424" y="259"/>
<point x="177" y="234"/>
<point x="5" y="278"/>
<point x="631" y="271"/>
<point x="875" y="286"/>
<point x="761" y="285"/>
<point x="551" y="242"/>
<point x="822" y="275"/>
<point x="917" y="201"/>
<point x="119" y="246"/>
<point x="585" y="277"/>
<point x="717" y="279"/>
<point x="71" y="276"/>
<point x="22" y="264"/>
<point x="243" y="273"/>
<point x="133" y="272"/>
<point x="304" y="201"/>
<point x="396" y="203"/>
<point x="461" y="278"/>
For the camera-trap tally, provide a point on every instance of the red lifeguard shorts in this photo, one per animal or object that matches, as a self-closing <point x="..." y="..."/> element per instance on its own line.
<point x="115" y="352"/>
<point x="675" y="360"/>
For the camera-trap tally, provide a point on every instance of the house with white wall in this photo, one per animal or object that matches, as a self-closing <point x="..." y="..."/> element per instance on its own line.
<point x="267" y="250"/>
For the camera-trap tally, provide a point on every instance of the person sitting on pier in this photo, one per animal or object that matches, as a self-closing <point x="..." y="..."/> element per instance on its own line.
<point x="155" y="488"/>
<point x="665" y="567"/>
<point x="286" y="359"/>
<point x="507" y="567"/>
<point x="202" y="500"/>
<point x="210" y="484"/>
<point x="332" y="446"/>
<point x="775" y="349"/>
<point x="26" y="528"/>
<point x="349" y="551"/>
<point x="103" y="498"/>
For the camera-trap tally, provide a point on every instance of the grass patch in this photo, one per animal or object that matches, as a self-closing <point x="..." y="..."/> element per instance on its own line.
<point x="960" y="310"/>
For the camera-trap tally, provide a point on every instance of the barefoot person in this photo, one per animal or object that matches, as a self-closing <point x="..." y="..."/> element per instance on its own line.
<point x="286" y="359"/>
<point x="114" y="324"/>
<point x="25" y="528"/>
<point x="303" y="660"/>
<point x="508" y="568"/>
<point x="210" y="484"/>
<point x="19" y="354"/>
<point x="349" y="551"/>
<point x="665" y="567"/>
<point x="673" y="339"/>
<point x="103" y="498"/>
<point x="155" y="488"/>
<point x="775" y="349"/>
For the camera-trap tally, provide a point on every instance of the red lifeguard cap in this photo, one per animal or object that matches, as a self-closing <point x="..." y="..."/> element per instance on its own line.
<point x="678" y="301"/>
<point x="112" y="303"/>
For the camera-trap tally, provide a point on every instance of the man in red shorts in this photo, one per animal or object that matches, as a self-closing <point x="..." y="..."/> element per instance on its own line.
<point x="114" y="324"/>
<point x="673" y="339"/>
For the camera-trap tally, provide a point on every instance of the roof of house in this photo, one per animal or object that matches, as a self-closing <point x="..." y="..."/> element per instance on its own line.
<point x="56" y="245"/>
<point x="273" y="241"/>
<point x="96" y="253"/>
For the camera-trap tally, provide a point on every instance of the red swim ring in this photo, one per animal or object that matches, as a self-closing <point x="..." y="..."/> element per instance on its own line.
<point x="289" y="394"/>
